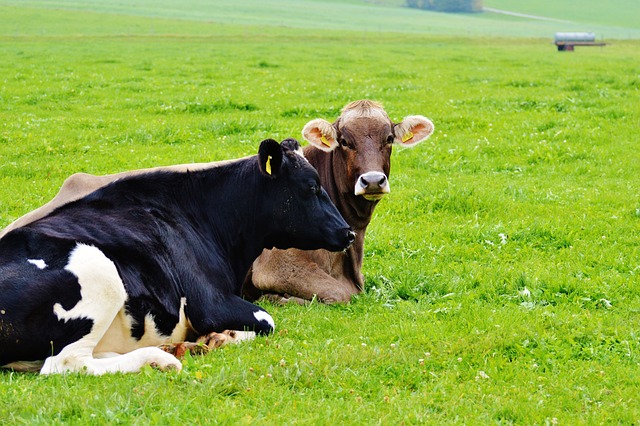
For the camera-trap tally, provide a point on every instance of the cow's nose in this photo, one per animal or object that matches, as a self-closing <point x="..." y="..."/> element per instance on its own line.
<point x="372" y="183"/>
<point x="377" y="180"/>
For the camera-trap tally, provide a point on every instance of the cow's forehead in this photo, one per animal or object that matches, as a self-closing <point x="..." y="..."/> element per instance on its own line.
<point x="364" y="116"/>
<point x="369" y="126"/>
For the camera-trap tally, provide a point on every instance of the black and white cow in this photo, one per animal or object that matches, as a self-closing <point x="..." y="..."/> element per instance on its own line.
<point x="96" y="285"/>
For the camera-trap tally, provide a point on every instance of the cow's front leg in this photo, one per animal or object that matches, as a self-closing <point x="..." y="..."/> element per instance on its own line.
<point x="217" y="340"/>
<point x="207" y="342"/>
<point x="240" y="319"/>
<point x="283" y="299"/>
<point x="295" y="276"/>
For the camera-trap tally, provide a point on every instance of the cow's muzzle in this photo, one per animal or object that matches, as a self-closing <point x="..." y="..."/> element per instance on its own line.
<point x="372" y="185"/>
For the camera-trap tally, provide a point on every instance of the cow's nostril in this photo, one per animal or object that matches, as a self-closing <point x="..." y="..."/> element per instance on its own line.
<point x="364" y="182"/>
<point x="382" y="181"/>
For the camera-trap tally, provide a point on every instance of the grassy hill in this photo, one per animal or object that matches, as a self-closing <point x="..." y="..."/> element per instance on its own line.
<point x="619" y="13"/>
<point x="375" y="17"/>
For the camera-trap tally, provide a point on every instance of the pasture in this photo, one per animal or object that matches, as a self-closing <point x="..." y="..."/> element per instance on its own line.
<point x="502" y="271"/>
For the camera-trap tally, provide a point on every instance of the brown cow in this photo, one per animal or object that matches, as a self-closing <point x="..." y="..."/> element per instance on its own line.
<point x="353" y="157"/>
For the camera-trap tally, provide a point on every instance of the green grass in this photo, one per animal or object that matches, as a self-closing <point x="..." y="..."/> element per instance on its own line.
<point x="611" y="20"/>
<point x="502" y="270"/>
<point x="622" y="13"/>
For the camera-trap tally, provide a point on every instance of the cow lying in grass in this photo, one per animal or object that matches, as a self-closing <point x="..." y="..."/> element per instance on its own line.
<point x="98" y="283"/>
<point x="353" y="159"/>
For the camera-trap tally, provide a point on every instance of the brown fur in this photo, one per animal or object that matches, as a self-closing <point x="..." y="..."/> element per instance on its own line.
<point x="299" y="276"/>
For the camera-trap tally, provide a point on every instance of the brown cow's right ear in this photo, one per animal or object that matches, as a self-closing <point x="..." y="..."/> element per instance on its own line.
<point x="321" y="134"/>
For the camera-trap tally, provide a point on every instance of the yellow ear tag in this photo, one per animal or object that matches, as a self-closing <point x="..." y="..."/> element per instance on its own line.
<point x="268" y="165"/>
<point x="407" y="136"/>
<point x="324" y="140"/>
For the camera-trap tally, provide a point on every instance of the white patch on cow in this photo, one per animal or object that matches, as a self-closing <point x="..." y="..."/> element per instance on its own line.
<point x="183" y="327"/>
<point x="377" y="185"/>
<point x="39" y="263"/>
<point x="102" y="298"/>
<point x="263" y="316"/>
<point x="100" y="284"/>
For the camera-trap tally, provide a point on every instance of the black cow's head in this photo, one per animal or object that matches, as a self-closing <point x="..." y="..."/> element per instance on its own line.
<point x="296" y="211"/>
<point x="361" y="139"/>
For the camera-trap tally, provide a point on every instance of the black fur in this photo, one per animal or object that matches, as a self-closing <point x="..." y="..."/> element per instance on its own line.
<point x="170" y="235"/>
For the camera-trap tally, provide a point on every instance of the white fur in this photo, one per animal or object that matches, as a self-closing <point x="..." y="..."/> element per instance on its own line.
<point x="102" y="298"/>
<point x="371" y="111"/>
<point x="360" y="189"/>
<point x="39" y="263"/>
<point x="263" y="316"/>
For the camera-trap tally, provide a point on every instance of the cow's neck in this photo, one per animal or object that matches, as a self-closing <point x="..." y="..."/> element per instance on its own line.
<point x="354" y="209"/>
<point x="241" y="244"/>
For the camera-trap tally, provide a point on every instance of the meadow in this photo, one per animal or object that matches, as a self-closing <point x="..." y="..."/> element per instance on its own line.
<point x="501" y="271"/>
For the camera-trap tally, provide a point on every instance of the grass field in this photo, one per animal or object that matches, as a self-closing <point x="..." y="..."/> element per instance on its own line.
<point x="502" y="270"/>
<point x="615" y="19"/>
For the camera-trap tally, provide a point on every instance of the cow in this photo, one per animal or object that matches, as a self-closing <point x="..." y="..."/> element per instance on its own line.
<point x="353" y="158"/>
<point x="98" y="283"/>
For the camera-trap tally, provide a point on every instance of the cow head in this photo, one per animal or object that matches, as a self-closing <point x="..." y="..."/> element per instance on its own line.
<point x="298" y="213"/>
<point x="361" y="140"/>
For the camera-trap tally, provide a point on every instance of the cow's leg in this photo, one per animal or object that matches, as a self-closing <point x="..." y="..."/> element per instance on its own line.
<point x="102" y="296"/>
<point x="292" y="276"/>
<point x="318" y="285"/>
<point x="217" y="340"/>
<point x="207" y="342"/>
<point x="240" y="320"/>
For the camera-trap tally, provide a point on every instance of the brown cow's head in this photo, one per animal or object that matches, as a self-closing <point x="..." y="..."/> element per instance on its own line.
<point x="362" y="138"/>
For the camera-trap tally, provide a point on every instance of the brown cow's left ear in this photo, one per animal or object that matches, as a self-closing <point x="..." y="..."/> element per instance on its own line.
<point x="412" y="130"/>
<point x="270" y="158"/>
<point x="321" y="134"/>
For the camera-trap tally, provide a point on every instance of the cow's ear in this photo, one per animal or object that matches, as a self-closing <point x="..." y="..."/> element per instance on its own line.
<point x="412" y="130"/>
<point x="270" y="158"/>
<point x="321" y="134"/>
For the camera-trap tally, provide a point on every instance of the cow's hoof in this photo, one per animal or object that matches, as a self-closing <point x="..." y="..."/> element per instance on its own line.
<point x="180" y="349"/>
<point x="217" y="340"/>
<point x="166" y="366"/>
<point x="161" y="360"/>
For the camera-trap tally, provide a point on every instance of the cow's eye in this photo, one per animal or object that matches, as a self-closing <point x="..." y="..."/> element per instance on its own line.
<point x="390" y="139"/>
<point x="315" y="188"/>
<point x="343" y="142"/>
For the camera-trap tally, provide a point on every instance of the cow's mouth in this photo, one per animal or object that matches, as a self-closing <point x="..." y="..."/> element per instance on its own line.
<point x="374" y="196"/>
<point x="372" y="186"/>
